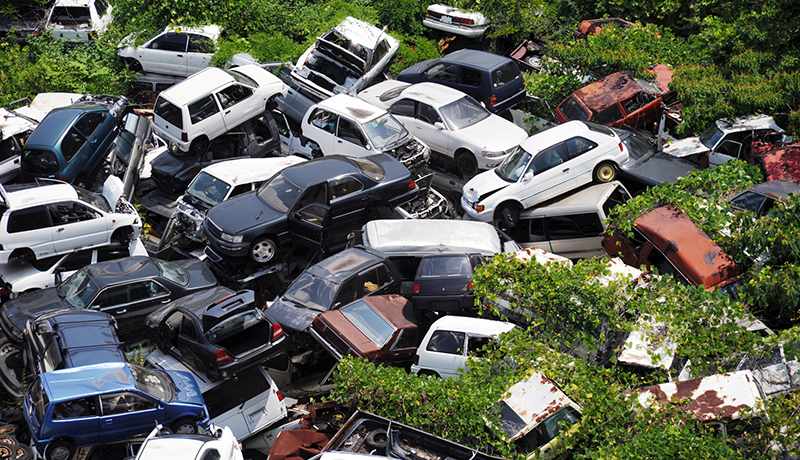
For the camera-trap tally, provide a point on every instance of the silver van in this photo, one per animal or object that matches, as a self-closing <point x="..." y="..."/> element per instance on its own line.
<point x="571" y="226"/>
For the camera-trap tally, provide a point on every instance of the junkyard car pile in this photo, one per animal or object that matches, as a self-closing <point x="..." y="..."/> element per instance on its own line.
<point x="302" y="215"/>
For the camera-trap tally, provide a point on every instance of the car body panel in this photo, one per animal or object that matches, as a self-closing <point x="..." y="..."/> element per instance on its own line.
<point x="162" y="53"/>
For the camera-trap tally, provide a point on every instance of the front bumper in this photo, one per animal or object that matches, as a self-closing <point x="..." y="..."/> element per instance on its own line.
<point x="487" y="215"/>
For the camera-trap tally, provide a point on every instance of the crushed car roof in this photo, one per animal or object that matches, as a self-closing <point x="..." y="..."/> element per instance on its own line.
<point x="359" y="109"/>
<point x="362" y="33"/>
<point x="340" y="266"/>
<point x="432" y="235"/>
<point x="533" y="400"/>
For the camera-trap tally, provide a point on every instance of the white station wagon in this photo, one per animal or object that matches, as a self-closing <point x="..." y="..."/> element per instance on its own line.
<point x="545" y="165"/>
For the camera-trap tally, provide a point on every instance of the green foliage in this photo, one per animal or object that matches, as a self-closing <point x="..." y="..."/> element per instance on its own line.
<point x="402" y="16"/>
<point x="411" y="51"/>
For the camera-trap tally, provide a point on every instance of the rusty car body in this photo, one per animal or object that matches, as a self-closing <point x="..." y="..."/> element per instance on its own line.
<point x="528" y="55"/>
<point x="593" y="26"/>
<point x="620" y="100"/>
<point x="382" y="329"/>
<point x="778" y="163"/>
<point x="666" y="239"/>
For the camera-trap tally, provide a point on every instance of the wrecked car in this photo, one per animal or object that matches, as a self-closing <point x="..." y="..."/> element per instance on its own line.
<point x="379" y="328"/>
<point x="78" y="20"/>
<point x="647" y="166"/>
<point x="221" y="444"/>
<point x="177" y="50"/>
<point x="620" y="100"/>
<point x="528" y="55"/>
<point x="217" y="331"/>
<point x="451" y="20"/>
<point x="344" y="59"/>
<point x="348" y="126"/>
<point x="593" y="26"/>
<point x="760" y="198"/>
<point x="443" y="283"/>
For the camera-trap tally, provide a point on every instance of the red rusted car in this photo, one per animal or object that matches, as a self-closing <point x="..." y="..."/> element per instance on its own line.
<point x="593" y="26"/>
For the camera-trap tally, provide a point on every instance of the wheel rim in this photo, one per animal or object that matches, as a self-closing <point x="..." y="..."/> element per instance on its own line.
<point x="60" y="453"/>
<point x="186" y="428"/>
<point x="605" y="173"/>
<point x="510" y="215"/>
<point x="466" y="166"/>
<point x="263" y="251"/>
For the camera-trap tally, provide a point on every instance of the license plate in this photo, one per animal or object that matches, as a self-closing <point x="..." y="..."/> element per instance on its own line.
<point x="447" y="19"/>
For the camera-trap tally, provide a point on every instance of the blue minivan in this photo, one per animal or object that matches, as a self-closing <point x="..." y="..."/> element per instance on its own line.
<point x="103" y="403"/>
<point x="71" y="141"/>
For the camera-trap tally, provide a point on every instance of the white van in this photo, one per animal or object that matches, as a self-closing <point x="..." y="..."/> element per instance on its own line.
<point x="573" y="226"/>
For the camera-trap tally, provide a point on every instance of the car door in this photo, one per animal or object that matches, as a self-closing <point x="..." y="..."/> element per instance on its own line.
<point x="402" y="348"/>
<point x="206" y="117"/>
<point x="190" y="343"/>
<point x="548" y="176"/>
<point x="531" y="233"/>
<point x="349" y="198"/>
<point x="375" y="281"/>
<point x="308" y="220"/>
<point x="129" y="303"/>
<point x="436" y="136"/>
<point x="350" y="140"/>
<point x="166" y="54"/>
<point x="444" y="353"/>
<point x="470" y="81"/>
<point x="640" y="109"/>
<point x="198" y="53"/>
<point x="128" y="415"/>
<point x="79" y="418"/>
<point x="30" y="228"/>
<point x="320" y="127"/>
<point x="238" y="104"/>
<point x="576" y="236"/>
<point x="76" y="225"/>
<point x="81" y="143"/>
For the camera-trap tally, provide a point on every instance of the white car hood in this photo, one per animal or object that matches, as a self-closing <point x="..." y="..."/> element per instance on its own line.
<point x="685" y="147"/>
<point x="483" y="183"/>
<point x="494" y="134"/>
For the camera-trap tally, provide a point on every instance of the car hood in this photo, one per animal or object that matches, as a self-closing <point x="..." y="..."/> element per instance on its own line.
<point x="482" y="185"/>
<point x="485" y="134"/>
<point x="660" y="168"/>
<point x="188" y="390"/>
<point x="685" y="147"/>
<point x="168" y="165"/>
<point x="18" y="311"/>
<point x="200" y="276"/>
<point x="241" y="213"/>
<point x="291" y="316"/>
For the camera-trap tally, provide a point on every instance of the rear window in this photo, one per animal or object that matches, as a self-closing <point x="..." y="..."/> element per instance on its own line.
<point x="572" y="110"/>
<point x="202" y="109"/>
<point x="169" y="112"/>
<point x="505" y="75"/>
<point x="39" y="161"/>
<point x="70" y="16"/>
<point x="28" y="219"/>
<point x="369" y="168"/>
<point x="369" y="322"/>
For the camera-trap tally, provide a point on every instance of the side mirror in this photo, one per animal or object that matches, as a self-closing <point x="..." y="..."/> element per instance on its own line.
<point x="439" y="125"/>
<point x="528" y="176"/>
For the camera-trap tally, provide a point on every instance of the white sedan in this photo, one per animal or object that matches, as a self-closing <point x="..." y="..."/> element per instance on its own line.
<point x="450" y="122"/>
<point x="546" y="165"/>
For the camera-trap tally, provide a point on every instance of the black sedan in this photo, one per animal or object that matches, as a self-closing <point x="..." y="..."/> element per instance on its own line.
<point x="444" y="283"/>
<point x="217" y="332"/>
<point x="129" y="289"/>
<point x="316" y="203"/>
<point x="646" y="166"/>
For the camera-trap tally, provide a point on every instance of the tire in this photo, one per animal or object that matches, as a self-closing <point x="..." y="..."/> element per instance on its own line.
<point x="23" y="452"/>
<point x="508" y="214"/>
<point x="123" y="236"/>
<point x="263" y="250"/>
<point x="429" y="373"/>
<point x="252" y="454"/>
<point x="376" y="439"/>
<point x="10" y="430"/>
<point x="467" y="165"/>
<point x="198" y="146"/>
<point x="23" y="256"/>
<point x="59" y="450"/>
<point x="185" y="425"/>
<point x="8" y="446"/>
<point x="604" y="172"/>
<point x="12" y="374"/>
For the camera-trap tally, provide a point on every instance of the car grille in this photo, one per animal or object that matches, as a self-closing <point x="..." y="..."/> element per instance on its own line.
<point x="214" y="229"/>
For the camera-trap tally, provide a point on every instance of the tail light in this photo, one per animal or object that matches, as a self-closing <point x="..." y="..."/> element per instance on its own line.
<point x="3" y="291"/>
<point x="222" y="356"/>
<point x="318" y="322"/>
<point x="621" y="148"/>
<point x="493" y="99"/>
<point x="277" y="330"/>
<point x="226" y="298"/>
<point x="412" y="184"/>
<point x="434" y="14"/>
<point x="415" y="289"/>
<point x="416" y="360"/>
<point x="184" y="137"/>
<point x="280" y="396"/>
<point x="469" y="286"/>
<point x="466" y="21"/>
<point x="63" y="179"/>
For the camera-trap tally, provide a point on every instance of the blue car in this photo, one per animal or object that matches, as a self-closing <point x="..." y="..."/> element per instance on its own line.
<point x="71" y="141"/>
<point x="103" y="403"/>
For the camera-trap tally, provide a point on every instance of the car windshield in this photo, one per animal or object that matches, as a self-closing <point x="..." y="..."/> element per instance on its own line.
<point x="512" y="168"/>
<point x="385" y="132"/>
<point x="98" y="201"/>
<point x="279" y="193"/>
<point x="312" y="292"/>
<point x="38" y="400"/>
<point x="369" y="322"/>
<point x="208" y="189"/>
<point x="638" y="147"/>
<point x="711" y="136"/>
<point x="172" y="272"/>
<point x="463" y="113"/>
<point x="242" y="78"/>
<point x="234" y="322"/>
<point x="153" y="382"/>
<point x="78" y="290"/>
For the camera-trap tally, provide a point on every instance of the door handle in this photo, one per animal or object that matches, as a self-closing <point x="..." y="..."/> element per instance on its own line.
<point x="60" y="230"/>
<point x="179" y="55"/>
<point x="109" y="421"/>
<point x="565" y="170"/>
<point x="227" y="112"/>
<point x="94" y="141"/>
<point x="119" y="312"/>
<point x="339" y="141"/>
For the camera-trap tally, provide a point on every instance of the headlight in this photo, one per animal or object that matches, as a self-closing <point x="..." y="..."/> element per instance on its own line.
<point x="493" y="154"/>
<point x="232" y="238"/>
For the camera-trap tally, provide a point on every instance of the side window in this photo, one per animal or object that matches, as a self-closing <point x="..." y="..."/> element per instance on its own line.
<point x="475" y="346"/>
<point x="261" y="129"/>
<point x="575" y="226"/>
<point x="572" y="110"/>
<point x="658" y="261"/>
<point x="372" y="280"/>
<point x="77" y="408"/>
<point x="51" y="358"/>
<point x="202" y="109"/>
<point x="443" y="71"/>
<point x="380" y="52"/>
<point x="548" y="158"/>
<point x="618" y="196"/>
<point x="122" y="403"/>
<point x="347" y="293"/>
<point x="117" y="295"/>
<point x="77" y="260"/>
<point x="70" y="213"/>
<point x="450" y="342"/>
<point x="188" y="328"/>
<point x="89" y="122"/>
<point x="72" y="143"/>
<point x="403" y="107"/>
<point x="145" y="290"/>
<point x="313" y="194"/>
<point x="200" y="44"/>
<point x="349" y="132"/>
<point x="101" y="6"/>
<point x="323" y="120"/>
<point x="233" y="95"/>
<point x="608" y="115"/>
<point x="28" y="219"/>
<point x="732" y="143"/>
<point x="470" y="77"/>
<point x="531" y="231"/>
<point x="407" y="339"/>
<point x="427" y="113"/>
<point x="171" y="41"/>
<point x="578" y="146"/>
<point x="344" y="186"/>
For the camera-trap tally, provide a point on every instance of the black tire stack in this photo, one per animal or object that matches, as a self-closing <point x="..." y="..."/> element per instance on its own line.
<point x="12" y="447"/>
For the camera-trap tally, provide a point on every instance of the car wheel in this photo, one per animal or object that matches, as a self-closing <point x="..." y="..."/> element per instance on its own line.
<point x="10" y="430"/>
<point x="12" y="367"/>
<point x="133" y="64"/>
<point x="467" y="165"/>
<point x="23" y="452"/>
<point x="23" y="256"/>
<point x="509" y="214"/>
<point x="8" y="450"/>
<point x="59" y="450"/>
<point x="185" y="425"/>
<point x="263" y="250"/>
<point x="123" y="236"/>
<point x="429" y="373"/>
<point x="198" y="146"/>
<point x="605" y="172"/>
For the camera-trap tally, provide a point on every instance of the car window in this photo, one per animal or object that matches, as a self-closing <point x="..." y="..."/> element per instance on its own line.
<point x="470" y="77"/>
<point x="574" y="226"/>
<point x="475" y="345"/>
<point x="77" y="260"/>
<point x="374" y="279"/>
<point x="638" y="101"/>
<point x="28" y="219"/>
<point x="242" y="78"/>
<point x="233" y="95"/>
<point x="442" y="71"/>
<point x="512" y="168"/>
<point x="123" y="403"/>
<point x="450" y="342"/>
<point x="89" y="123"/>
<point x="153" y="382"/>
<point x="70" y="212"/>
<point x="109" y="297"/>
<point x="427" y="113"/>
<point x="323" y="120"/>
<point x="369" y="169"/>
<point x="548" y="158"/>
<point x="578" y="146"/>
<point x="189" y="328"/>
<point x="78" y="290"/>
<point x="202" y="109"/>
<point x="51" y="357"/>
<point x="572" y="110"/>
<point x="530" y="231"/>
<point x="349" y="132"/>
<point x="403" y="107"/>
<point x="406" y="339"/>
<point x="314" y="194"/>
<point x="368" y="322"/>
<point x="505" y="74"/>
<point x="239" y="189"/>
<point x="39" y="400"/>
<point x="41" y="161"/>
<point x="618" y="196"/>
<point x="145" y="290"/>
<point x="169" y="112"/>
<point x="609" y="115"/>
<point x="348" y="292"/>
<point x="101" y="6"/>
<point x="70" y="16"/>
<point x="170" y="41"/>
<point x="437" y="267"/>
<point x="200" y="44"/>
<point x="209" y="189"/>
<point x="380" y="52"/>
<point x="312" y="292"/>
<point x="344" y="186"/>
<point x="464" y="112"/>
<point x="262" y="130"/>
<point x="279" y="193"/>
<point x="172" y="272"/>
<point x="77" y="408"/>
<point x="72" y="143"/>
